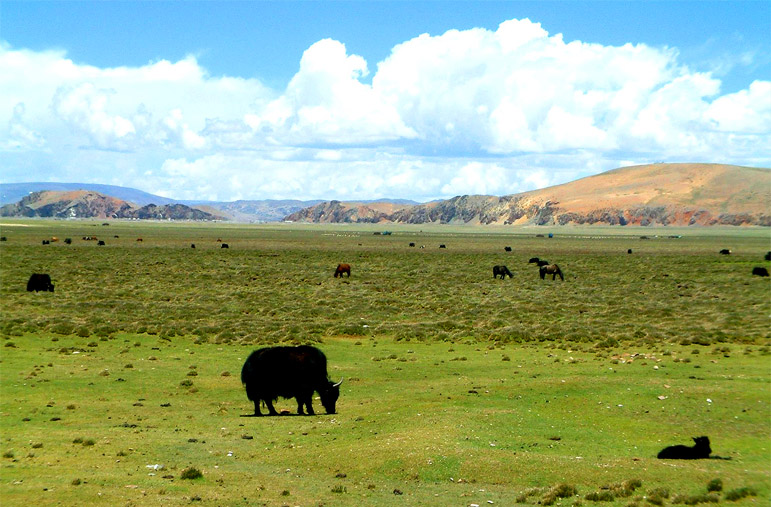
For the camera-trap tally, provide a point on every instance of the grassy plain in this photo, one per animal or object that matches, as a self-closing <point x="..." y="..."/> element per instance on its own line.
<point x="460" y="389"/>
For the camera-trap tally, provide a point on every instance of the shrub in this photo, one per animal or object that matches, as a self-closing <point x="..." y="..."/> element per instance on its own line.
<point x="738" y="494"/>
<point x="191" y="473"/>
<point x="715" y="485"/>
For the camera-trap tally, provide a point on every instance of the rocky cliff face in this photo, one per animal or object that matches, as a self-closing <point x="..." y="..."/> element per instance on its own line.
<point x="87" y="204"/>
<point x="659" y="194"/>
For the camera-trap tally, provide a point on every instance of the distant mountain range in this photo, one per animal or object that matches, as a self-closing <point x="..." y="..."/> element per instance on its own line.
<point x="268" y="210"/>
<point x="657" y="194"/>
<point x="88" y="204"/>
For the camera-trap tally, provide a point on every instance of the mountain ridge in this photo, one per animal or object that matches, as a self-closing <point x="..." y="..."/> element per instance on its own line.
<point x="655" y="194"/>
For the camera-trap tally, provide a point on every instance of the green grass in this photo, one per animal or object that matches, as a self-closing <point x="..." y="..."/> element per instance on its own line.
<point x="459" y="388"/>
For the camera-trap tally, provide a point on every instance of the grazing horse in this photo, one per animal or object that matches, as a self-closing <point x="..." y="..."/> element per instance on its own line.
<point x="343" y="268"/>
<point x="502" y="271"/>
<point x="552" y="270"/>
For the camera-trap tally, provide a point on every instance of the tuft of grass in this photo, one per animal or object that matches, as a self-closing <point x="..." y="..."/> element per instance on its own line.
<point x="739" y="493"/>
<point x="715" y="485"/>
<point x="191" y="473"/>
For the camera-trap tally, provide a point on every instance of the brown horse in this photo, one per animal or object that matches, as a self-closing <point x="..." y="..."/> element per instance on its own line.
<point x="343" y="268"/>
<point x="552" y="270"/>
<point x="501" y="271"/>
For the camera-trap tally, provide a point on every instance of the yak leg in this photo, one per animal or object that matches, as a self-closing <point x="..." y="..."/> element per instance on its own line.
<point x="271" y="410"/>
<point x="257" y="408"/>
<point x="307" y="400"/>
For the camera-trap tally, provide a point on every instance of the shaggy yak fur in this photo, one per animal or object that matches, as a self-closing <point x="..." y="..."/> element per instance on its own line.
<point x="40" y="281"/>
<point x="289" y="372"/>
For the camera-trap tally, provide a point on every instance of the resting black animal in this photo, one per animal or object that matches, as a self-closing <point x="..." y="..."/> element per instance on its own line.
<point x="501" y="271"/>
<point x="725" y="251"/>
<point x="552" y="270"/>
<point x="224" y="245"/>
<point x="507" y="249"/>
<point x="699" y="451"/>
<point x="289" y="372"/>
<point x="40" y="281"/>
<point x="758" y="271"/>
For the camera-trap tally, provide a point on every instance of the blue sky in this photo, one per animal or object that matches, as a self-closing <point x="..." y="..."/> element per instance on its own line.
<point x="362" y="100"/>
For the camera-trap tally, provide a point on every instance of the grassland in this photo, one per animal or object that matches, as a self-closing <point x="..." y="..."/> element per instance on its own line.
<point x="459" y="389"/>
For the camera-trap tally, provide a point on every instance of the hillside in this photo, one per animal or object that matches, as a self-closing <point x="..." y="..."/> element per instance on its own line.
<point x="657" y="194"/>
<point x="89" y="204"/>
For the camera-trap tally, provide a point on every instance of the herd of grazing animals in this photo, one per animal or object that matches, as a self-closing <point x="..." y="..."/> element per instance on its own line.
<point x="297" y="372"/>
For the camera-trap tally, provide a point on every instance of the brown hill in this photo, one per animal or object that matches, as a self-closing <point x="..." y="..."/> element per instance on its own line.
<point x="662" y="194"/>
<point x="89" y="204"/>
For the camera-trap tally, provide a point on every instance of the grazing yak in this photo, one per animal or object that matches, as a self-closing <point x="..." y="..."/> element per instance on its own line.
<point x="533" y="260"/>
<point x="507" y="249"/>
<point x="40" y="281"/>
<point x="289" y="372"/>
<point x="759" y="271"/>
<point x="100" y="243"/>
<point x="699" y="451"/>
<point x="501" y="271"/>
<point x="552" y="270"/>
<point x="412" y="244"/>
<point x="629" y="251"/>
<point x="767" y="256"/>
<point x="442" y="246"/>
<point x="725" y="251"/>
<point x="224" y="245"/>
<point x="343" y="268"/>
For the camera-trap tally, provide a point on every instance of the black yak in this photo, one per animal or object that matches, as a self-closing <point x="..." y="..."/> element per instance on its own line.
<point x="699" y="451"/>
<point x="725" y="251"/>
<point x="343" y="268"/>
<point x="224" y="245"/>
<point x="40" y="281"/>
<point x="501" y="271"/>
<point x="507" y="249"/>
<point x="758" y="271"/>
<point x="289" y="372"/>
<point x="767" y="256"/>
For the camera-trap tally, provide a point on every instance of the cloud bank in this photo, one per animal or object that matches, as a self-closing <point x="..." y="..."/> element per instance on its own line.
<point x="465" y="112"/>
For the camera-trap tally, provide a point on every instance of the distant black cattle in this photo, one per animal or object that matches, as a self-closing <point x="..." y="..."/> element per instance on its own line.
<point x="552" y="270"/>
<point x="40" y="282"/>
<point x="725" y="251"/>
<point x="759" y="271"/>
<point x="412" y="244"/>
<point x="442" y="246"/>
<point x="225" y="245"/>
<point x="100" y="243"/>
<point x="192" y="245"/>
<point x="629" y="251"/>
<point x="533" y="260"/>
<point x="3" y="238"/>
<point x="501" y="271"/>
<point x="343" y="268"/>
<point x="507" y="249"/>
<point x="543" y="262"/>
<point x="67" y="241"/>
<point x="46" y="242"/>
<point x="768" y="256"/>
<point x="289" y="372"/>
<point x="699" y="451"/>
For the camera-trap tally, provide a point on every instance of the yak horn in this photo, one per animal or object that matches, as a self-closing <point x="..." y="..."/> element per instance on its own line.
<point x="338" y="384"/>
